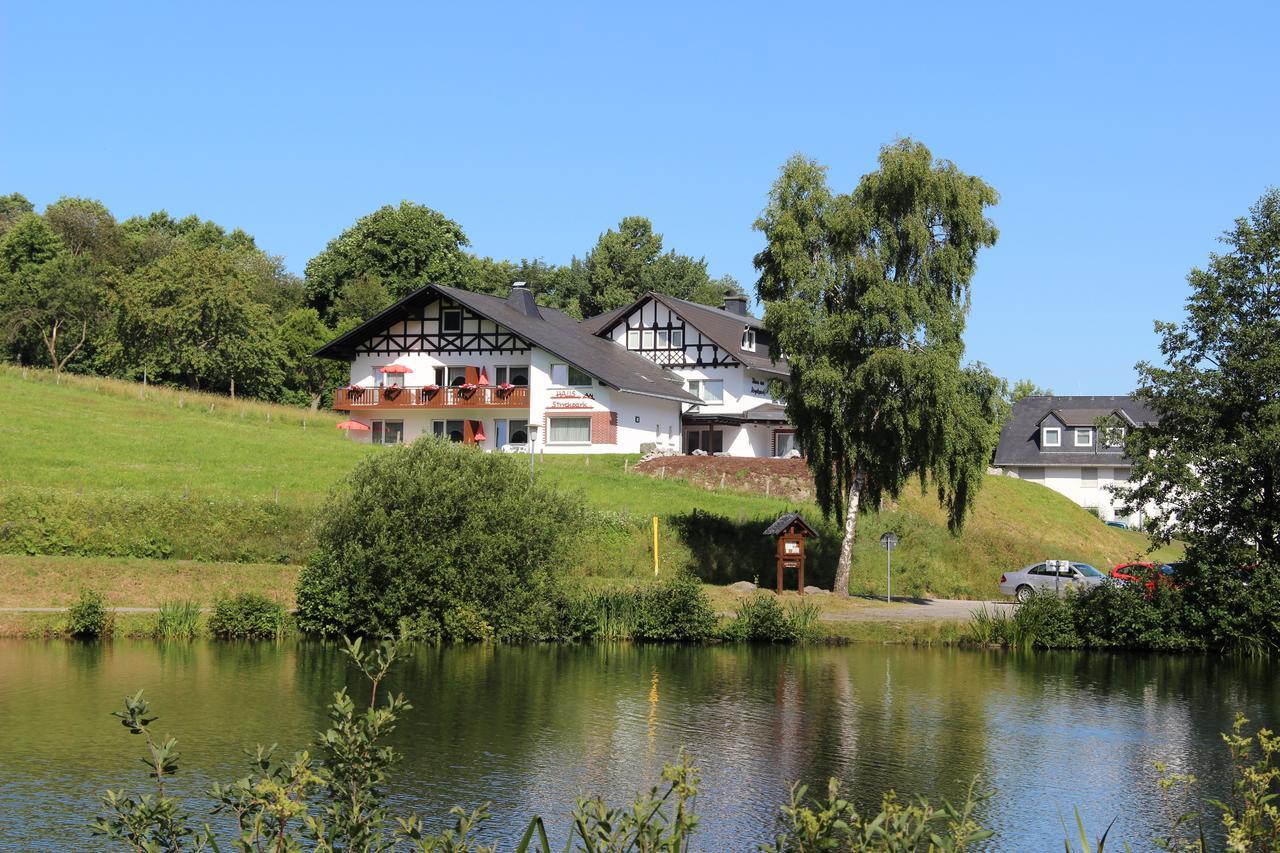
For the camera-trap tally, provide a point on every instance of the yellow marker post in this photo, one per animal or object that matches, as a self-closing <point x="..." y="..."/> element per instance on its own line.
<point x="655" y="546"/>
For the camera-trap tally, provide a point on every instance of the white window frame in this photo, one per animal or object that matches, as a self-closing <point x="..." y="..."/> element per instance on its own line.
<point x="1044" y="436"/>
<point x="749" y="340"/>
<point x="646" y="339"/>
<point x="551" y="422"/>
<point x="1087" y="434"/>
<point x="698" y="388"/>
<point x="633" y="339"/>
<point x="677" y="339"/>
<point x="662" y="339"/>
<point x="569" y="369"/>
<point x="447" y="312"/>
<point x="499" y="378"/>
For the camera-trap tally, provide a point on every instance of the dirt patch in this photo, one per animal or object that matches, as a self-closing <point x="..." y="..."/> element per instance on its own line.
<point x="782" y="478"/>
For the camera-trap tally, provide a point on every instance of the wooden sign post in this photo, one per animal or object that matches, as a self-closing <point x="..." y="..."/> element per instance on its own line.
<point x="791" y="530"/>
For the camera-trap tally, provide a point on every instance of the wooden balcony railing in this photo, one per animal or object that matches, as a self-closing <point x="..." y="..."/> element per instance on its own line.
<point x="395" y="397"/>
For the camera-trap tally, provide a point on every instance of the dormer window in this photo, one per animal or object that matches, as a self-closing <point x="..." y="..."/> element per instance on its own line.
<point x="1084" y="437"/>
<point x="1050" y="437"/>
<point x="749" y="340"/>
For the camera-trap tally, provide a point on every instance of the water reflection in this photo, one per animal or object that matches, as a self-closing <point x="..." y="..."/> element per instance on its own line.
<point x="530" y="728"/>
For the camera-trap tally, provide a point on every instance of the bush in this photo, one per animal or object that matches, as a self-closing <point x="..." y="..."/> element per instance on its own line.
<point x="761" y="619"/>
<point x="89" y="616"/>
<point x="1047" y="621"/>
<point x="675" y="610"/>
<point x="178" y="620"/>
<point x="248" y="616"/>
<point x="434" y="526"/>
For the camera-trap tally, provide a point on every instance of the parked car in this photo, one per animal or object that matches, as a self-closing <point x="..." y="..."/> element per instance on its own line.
<point x="1051" y="576"/>
<point x="1148" y="574"/>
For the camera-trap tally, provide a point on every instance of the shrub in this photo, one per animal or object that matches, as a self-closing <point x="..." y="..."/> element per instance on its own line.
<point x="89" y="616"/>
<point x="1047" y="621"/>
<point x="676" y="609"/>
<point x="248" y="616"/>
<point x="804" y="620"/>
<point x="761" y="619"/>
<point x="463" y="624"/>
<point x="432" y="526"/>
<point x="178" y="620"/>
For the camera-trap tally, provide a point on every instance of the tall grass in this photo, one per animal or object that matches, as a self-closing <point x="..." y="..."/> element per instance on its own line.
<point x="178" y="620"/>
<point x="613" y="614"/>
<point x="1000" y="628"/>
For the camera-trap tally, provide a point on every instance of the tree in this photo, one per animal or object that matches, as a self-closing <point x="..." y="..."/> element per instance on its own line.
<point x="306" y="378"/>
<point x="360" y="299"/>
<point x="867" y="295"/>
<point x="86" y="228"/>
<point x="629" y="261"/>
<point x="405" y="247"/>
<point x="1026" y="388"/>
<point x="190" y="318"/>
<point x="12" y="208"/>
<point x="1211" y="466"/>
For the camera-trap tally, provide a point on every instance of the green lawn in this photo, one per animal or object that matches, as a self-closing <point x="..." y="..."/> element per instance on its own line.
<point x="107" y="469"/>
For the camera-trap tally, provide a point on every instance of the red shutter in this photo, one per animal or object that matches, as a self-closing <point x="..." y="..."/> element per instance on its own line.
<point x="472" y="374"/>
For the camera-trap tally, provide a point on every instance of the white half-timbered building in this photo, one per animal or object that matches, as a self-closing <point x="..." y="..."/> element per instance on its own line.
<point x="724" y="355"/>
<point x="484" y="369"/>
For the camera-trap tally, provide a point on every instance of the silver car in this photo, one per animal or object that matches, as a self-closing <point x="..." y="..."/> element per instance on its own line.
<point x="1051" y="576"/>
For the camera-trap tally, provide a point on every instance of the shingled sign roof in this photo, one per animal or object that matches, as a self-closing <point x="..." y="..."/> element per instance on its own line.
<point x="547" y="328"/>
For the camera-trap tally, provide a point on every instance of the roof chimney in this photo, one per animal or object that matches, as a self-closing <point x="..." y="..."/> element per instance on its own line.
<point x="521" y="299"/>
<point x="735" y="303"/>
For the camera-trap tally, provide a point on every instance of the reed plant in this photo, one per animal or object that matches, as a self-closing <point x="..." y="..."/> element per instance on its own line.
<point x="178" y="619"/>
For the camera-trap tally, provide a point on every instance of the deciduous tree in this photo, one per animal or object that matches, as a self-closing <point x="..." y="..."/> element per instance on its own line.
<point x="866" y="294"/>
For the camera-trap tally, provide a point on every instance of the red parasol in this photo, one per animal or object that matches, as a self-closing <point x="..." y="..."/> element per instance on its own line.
<point x="484" y="377"/>
<point x="396" y="368"/>
<point x="350" y="425"/>
<point x="478" y="433"/>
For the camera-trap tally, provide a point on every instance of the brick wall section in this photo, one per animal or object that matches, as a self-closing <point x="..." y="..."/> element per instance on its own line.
<point x="604" y="428"/>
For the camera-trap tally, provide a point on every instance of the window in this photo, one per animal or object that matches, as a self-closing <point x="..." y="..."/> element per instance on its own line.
<point x="569" y="430"/>
<point x="784" y="443"/>
<point x="451" y="320"/>
<point x="677" y="338"/>
<point x="664" y="340"/>
<point x="647" y="339"/>
<point x="1089" y="478"/>
<point x="1113" y="436"/>
<point x="1029" y="473"/>
<point x="451" y="430"/>
<point x="633" y="339"/>
<point x="749" y="340"/>
<point x="707" y="390"/>
<point x="457" y="376"/>
<point x="1050" y="437"/>
<point x="387" y="432"/>
<point x="568" y="375"/>
<point x="514" y="374"/>
<point x="1039" y="569"/>
<point x="518" y="431"/>
<point x="1084" y="437"/>
<point x="711" y="440"/>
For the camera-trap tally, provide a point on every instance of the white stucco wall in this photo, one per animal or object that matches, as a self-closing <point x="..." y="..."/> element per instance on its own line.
<point x="1069" y="482"/>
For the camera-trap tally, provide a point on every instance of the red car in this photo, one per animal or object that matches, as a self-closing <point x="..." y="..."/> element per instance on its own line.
<point x="1148" y="574"/>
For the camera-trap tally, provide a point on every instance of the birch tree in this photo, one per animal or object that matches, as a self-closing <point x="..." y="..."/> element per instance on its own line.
<point x="866" y="295"/>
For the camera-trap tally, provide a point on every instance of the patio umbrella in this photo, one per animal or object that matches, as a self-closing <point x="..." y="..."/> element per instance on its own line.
<point x="484" y="377"/>
<point x="350" y="425"/>
<point x="396" y="368"/>
<point x="478" y="432"/>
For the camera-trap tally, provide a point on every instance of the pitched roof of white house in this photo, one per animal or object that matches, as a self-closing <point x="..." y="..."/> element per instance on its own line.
<point x="723" y="327"/>
<point x="1019" y="439"/>
<point x="545" y="328"/>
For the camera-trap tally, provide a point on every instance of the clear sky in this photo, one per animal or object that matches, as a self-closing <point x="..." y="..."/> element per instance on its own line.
<point x="1123" y="138"/>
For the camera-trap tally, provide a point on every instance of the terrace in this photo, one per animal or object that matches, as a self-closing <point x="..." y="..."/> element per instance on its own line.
<point x="353" y="398"/>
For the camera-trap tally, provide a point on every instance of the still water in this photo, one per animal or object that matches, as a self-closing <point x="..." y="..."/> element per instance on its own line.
<point x="529" y="728"/>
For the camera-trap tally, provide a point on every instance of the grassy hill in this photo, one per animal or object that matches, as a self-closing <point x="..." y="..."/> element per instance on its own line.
<point x="97" y="468"/>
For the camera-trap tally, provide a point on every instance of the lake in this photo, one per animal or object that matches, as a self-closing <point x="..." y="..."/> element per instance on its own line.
<point x="531" y="727"/>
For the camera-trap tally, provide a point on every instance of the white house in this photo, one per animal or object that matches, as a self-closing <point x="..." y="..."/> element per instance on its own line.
<point x="1057" y="441"/>
<point x="724" y="357"/>
<point x="497" y="372"/>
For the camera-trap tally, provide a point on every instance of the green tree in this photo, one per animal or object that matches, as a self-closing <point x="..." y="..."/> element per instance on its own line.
<point x="1026" y="388"/>
<point x="190" y="318"/>
<point x="307" y="379"/>
<point x="12" y="208"/>
<point x="405" y="247"/>
<point x="629" y="261"/>
<point x="867" y="294"/>
<point x="86" y="228"/>
<point x="360" y="299"/>
<point x="147" y="239"/>
<point x="1211" y="466"/>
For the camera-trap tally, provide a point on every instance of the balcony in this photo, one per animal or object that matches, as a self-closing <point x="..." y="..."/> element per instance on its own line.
<point x="395" y="397"/>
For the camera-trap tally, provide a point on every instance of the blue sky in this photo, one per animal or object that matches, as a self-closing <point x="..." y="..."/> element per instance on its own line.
<point x="1123" y="138"/>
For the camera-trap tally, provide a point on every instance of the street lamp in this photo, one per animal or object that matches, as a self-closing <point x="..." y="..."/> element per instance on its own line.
<point x="533" y="443"/>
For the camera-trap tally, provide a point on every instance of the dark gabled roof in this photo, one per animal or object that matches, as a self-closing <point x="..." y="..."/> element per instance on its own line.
<point x="547" y="328"/>
<point x="1019" y="439"/>
<point x="723" y="327"/>
<point x="785" y="521"/>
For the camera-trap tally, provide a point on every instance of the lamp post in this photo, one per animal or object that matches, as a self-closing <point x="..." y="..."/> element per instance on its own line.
<point x="533" y="443"/>
<point x="889" y="541"/>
